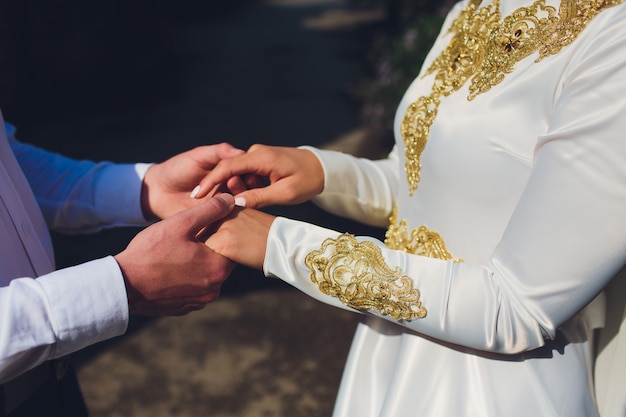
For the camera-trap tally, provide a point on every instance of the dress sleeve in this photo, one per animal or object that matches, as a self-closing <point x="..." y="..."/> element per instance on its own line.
<point x="564" y="241"/>
<point x="59" y="313"/>
<point x="358" y="188"/>
<point x="82" y="196"/>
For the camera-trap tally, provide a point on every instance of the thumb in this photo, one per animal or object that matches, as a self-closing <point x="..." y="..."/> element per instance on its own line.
<point x="255" y="198"/>
<point x="278" y="193"/>
<point x="197" y="218"/>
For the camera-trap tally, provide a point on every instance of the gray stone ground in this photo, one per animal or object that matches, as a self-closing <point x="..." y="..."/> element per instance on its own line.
<point x="275" y="72"/>
<point x="266" y="353"/>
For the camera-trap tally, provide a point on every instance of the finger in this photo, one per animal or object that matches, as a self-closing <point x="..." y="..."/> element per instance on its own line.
<point x="193" y="220"/>
<point x="226" y="150"/>
<point x="233" y="167"/>
<point x="273" y="194"/>
<point x="209" y="156"/>
<point x="254" y="181"/>
<point x="236" y="185"/>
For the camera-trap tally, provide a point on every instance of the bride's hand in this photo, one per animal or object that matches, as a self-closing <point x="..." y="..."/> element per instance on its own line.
<point x="294" y="176"/>
<point x="242" y="237"/>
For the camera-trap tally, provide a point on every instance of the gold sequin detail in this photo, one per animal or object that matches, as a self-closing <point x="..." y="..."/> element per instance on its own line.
<point x="420" y="241"/>
<point x="485" y="48"/>
<point x="356" y="273"/>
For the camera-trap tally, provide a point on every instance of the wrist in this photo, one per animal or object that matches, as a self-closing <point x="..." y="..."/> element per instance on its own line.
<point x="132" y="294"/>
<point x="318" y="174"/>
<point x="146" y="189"/>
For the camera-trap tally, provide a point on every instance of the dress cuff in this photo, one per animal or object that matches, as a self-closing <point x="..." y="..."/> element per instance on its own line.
<point x="87" y="304"/>
<point x="288" y="244"/>
<point x="329" y="159"/>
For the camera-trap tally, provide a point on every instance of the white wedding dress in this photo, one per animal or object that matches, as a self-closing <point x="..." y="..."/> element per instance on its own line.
<point x="488" y="310"/>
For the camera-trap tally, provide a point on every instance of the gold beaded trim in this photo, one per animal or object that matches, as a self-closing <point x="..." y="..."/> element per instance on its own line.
<point x="485" y="49"/>
<point x="356" y="273"/>
<point x="420" y="241"/>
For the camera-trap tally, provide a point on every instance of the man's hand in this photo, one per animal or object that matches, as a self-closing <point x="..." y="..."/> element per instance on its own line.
<point x="166" y="186"/>
<point x="167" y="270"/>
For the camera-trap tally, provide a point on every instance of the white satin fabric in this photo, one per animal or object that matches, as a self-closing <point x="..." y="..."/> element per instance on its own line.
<point x="527" y="184"/>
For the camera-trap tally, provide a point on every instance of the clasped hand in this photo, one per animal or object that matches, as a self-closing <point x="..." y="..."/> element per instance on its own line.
<point x="179" y="264"/>
<point x="269" y="176"/>
<point x="272" y="175"/>
<point x="167" y="269"/>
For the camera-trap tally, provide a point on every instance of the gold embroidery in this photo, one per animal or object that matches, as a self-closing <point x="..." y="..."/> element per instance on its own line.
<point x="356" y="273"/>
<point x="485" y="49"/>
<point x="420" y="241"/>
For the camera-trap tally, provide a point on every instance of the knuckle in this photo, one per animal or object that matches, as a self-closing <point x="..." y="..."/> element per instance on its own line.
<point x="197" y="149"/>
<point x="255" y="147"/>
<point x="222" y="145"/>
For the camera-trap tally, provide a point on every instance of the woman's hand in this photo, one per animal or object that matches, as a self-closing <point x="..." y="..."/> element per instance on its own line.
<point x="294" y="176"/>
<point x="242" y="237"/>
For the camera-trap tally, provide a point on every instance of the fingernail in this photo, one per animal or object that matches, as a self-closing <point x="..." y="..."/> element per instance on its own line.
<point x="195" y="192"/>
<point x="240" y="201"/>
<point x="225" y="197"/>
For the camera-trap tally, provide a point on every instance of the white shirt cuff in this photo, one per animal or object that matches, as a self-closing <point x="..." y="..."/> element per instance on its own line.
<point x="87" y="304"/>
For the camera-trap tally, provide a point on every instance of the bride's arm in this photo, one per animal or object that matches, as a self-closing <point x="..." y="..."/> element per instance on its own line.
<point x="340" y="183"/>
<point x="358" y="188"/>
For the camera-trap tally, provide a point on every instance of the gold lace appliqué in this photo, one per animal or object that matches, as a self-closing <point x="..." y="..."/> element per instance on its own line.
<point x="356" y="273"/>
<point x="485" y="49"/>
<point x="420" y="241"/>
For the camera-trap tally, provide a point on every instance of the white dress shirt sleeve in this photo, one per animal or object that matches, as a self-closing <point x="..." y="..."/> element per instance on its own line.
<point x="63" y="311"/>
<point x="60" y="313"/>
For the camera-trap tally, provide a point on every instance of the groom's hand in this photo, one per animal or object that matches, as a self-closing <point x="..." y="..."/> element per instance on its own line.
<point x="166" y="186"/>
<point x="167" y="270"/>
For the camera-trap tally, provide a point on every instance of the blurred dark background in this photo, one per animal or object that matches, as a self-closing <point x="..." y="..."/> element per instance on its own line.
<point x="141" y="80"/>
<point x="138" y="81"/>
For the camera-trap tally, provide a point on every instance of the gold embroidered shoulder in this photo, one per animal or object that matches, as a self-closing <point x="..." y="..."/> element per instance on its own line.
<point x="484" y="48"/>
